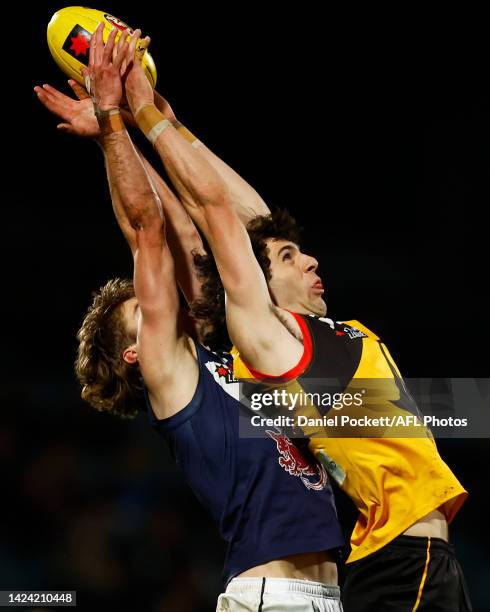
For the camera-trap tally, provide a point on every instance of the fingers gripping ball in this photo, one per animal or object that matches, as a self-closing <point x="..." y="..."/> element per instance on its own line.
<point x="69" y="33"/>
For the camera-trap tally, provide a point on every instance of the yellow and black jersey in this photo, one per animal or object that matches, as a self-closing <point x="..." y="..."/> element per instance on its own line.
<point x="394" y="479"/>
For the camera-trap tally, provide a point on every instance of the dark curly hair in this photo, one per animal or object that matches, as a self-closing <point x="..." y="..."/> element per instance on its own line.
<point x="209" y="309"/>
<point x="109" y="384"/>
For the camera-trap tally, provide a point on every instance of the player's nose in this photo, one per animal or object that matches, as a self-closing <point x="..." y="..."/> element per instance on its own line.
<point x="310" y="264"/>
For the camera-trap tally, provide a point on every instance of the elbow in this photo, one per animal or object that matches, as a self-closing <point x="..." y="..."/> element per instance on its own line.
<point x="147" y="225"/>
<point x="146" y="213"/>
<point x="150" y="235"/>
<point x="149" y="228"/>
<point x="210" y="195"/>
<point x="218" y="197"/>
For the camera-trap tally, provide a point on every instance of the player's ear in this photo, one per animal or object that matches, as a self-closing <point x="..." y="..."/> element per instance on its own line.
<point x="130" y="355"/>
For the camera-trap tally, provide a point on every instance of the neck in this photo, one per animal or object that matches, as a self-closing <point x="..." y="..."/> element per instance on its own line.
<point x="303" y="309"/>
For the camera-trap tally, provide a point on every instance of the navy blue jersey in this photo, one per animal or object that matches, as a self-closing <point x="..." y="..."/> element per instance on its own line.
<point x="267" y="499"/>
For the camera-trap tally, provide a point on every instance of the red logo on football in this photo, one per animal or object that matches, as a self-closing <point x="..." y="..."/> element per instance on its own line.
<point x="80" y="44"/>
<point x="117" y="23"/>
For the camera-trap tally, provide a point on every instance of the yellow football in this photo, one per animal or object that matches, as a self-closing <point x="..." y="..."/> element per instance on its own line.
<point x="69" y="33"/>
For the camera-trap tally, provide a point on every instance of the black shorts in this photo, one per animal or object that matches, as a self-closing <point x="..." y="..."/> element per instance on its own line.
<point x="410" y="573"/>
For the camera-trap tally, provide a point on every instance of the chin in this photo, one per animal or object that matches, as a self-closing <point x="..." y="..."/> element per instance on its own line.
<point x="319" y="307"/>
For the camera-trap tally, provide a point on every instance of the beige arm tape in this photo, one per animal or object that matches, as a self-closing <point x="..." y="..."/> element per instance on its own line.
<point x="151" y="121"/>
<point x="110" y="122"/>
<point x="157" y="129"/>
<point x="147" y="117"/>
<point x="185" y="133"/>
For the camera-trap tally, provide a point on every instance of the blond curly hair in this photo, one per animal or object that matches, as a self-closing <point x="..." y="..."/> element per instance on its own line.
<point x="109" y="384"/>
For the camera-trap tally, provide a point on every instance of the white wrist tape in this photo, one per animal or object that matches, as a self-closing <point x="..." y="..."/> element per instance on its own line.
<point x="157" y="129"/>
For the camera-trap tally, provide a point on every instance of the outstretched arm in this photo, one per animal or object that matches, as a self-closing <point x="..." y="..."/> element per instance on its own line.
<point x="162" y="347"/>
<point x="252" y="319"/>
<point x="183" y="238"/>
<point x="78" y="118"/>
<point x="245" y="199"/>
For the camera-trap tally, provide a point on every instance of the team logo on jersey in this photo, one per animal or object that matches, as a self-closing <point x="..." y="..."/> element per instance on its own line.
<point x="223" y="376"/>
<point x="295" y="464"/>
<point x="223" y="370"/>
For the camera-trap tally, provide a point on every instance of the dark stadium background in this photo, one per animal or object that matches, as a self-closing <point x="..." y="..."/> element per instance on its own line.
<point x="373" y="129"/>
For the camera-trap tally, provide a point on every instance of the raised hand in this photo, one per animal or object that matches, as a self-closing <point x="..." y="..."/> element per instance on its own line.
<point x="103" y="74"/>
<point x="77" y="116"/>
<point x="137" y="87"/>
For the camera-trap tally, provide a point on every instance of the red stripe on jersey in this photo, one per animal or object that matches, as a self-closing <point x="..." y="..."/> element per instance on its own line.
<point x="302" y="364"/>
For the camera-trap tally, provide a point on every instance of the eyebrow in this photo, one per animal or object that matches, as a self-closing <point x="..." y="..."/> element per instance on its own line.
<point x="286" y="247"/>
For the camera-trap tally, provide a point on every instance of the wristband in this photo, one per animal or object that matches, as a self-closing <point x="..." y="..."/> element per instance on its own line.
<point x="157" y="129"/>
<point x="110" y="121"/>
<point x="149" y="117"/>
<point x="152" y="123"/>
<point x="102" y="114"/>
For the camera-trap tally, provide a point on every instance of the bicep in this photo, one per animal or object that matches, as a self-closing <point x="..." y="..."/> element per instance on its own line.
<point x="251" y="320"/>
<point x="264" y="341"/>
<point x="237" y="265"/>
<point x="159" y="333"/>
<point x="169" y="368"/>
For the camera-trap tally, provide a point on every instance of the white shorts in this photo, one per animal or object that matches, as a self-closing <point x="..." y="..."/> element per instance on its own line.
<point x="278" y="595"/>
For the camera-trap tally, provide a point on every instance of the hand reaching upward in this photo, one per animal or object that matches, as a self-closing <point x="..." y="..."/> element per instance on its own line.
<point x="137" y="87"/>
<point x="103" y="75"/>
<point x="77" y="116"/>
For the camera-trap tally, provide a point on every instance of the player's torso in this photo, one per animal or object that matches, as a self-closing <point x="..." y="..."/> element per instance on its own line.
<point x="392" y="480"/>
<point x="259" y="468"/>
<point x="256" y="488"/>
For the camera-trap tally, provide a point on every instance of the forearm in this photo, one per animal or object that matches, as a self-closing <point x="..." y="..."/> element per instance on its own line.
<point x="206" y="197"/>
<point x="117" y="204"/>
<point x="135" y="201"/>
<point x="196" y="181"/>
<point x="245" y="199"/>
<point x="182" y="236"/>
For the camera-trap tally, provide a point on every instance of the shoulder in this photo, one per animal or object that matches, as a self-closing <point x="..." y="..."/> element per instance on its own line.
<point x="183" y="395"/>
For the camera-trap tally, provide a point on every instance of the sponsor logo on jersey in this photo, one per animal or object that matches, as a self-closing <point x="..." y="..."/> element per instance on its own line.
<point x="77" y="44"/>
<point x="352" y="332"/>
<point x="312" y="475"/>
